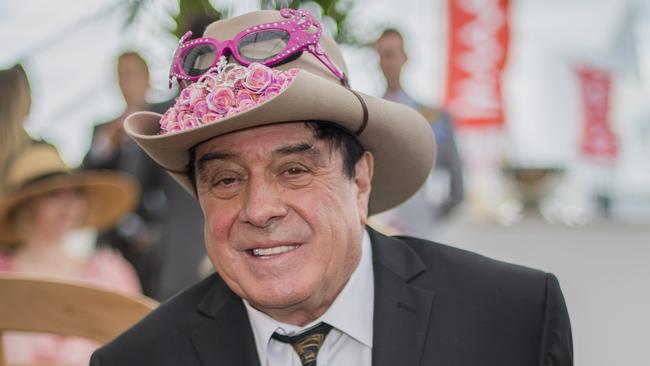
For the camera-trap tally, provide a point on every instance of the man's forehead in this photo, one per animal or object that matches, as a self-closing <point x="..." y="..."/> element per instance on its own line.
<point x="256" y="136"/>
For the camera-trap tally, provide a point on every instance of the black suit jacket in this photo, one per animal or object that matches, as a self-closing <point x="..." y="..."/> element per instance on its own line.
<point x="434" y="305"/>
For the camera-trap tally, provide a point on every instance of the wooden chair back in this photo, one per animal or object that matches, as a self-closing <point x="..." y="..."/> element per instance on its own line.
<point x="32" y="304"/>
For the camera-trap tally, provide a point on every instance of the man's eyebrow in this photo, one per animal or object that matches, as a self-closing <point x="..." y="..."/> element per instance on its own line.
<point x="283" y="150"/>
<point x="297" y="149"/>
<point x="214" y="155"/>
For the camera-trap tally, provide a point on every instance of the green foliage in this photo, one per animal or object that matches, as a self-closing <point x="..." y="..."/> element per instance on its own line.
<point x="332" y="12"/>
<point x="190" y="11"/>
<point x="336" y="10"/>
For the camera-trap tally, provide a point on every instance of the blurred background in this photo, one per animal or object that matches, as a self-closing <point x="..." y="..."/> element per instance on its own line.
<point x="549" y="102"/>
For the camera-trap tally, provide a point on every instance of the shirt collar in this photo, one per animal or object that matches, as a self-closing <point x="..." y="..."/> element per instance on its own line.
<point x="350" y="313"/>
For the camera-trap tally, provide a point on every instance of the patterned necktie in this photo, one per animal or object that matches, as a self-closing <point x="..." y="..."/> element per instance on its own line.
<point x="308" y="343"/>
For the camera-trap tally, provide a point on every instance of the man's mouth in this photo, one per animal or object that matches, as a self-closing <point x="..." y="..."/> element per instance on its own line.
<point x="266" y="253"/>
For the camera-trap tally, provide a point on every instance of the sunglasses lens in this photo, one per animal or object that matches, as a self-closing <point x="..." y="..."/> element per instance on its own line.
<point x="263" y="45"/>
<point x="197" y="60"/>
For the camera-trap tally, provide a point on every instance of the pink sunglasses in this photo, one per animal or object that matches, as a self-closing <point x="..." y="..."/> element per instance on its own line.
<point x="269" y="44"/>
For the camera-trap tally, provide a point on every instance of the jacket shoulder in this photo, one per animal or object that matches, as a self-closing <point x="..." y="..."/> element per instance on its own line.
<point x="488" y="304"/>
<point x="451" y="260"/>
<point x="463" y="277"/>
<point x="162" y="336"/>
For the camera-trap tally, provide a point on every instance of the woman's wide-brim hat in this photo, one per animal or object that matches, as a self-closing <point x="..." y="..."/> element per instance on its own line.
<point x="399" y="137"/>
<point x="39" y="170"/>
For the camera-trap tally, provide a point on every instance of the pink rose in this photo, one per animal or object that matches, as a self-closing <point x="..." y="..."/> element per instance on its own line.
<point x="246" y="100"/>
<point x="271" y="91"/>
<point x="200" y="109"/>
<point x="168" y="119"/>
<point x="191" y="95"/>
<point x="170" y="126"/>
<point x="174" y="127"/>
<point x="179" y="118"/>
<point x="221" y="100"/>
<point x="259" y="77"/>
<point x="164" y="120"/>
<point x="188" y="121"/>
<point x="236" y="73"/>
<point x="280" y="78"/>
<point x="212" y="81"/>
<point x="232" y="112"/>
<point x="246" y="104"/>
<point x="181" y="105"/>
<point x="246" y="94"/>
<point x="210" y="118"/>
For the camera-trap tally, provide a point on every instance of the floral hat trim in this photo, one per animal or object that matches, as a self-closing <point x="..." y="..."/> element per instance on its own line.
<point x="225" y="90"/>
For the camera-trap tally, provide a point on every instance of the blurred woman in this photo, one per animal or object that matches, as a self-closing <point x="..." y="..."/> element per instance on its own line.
<point x="15" y="101"/>
<point x="44" y="203"/>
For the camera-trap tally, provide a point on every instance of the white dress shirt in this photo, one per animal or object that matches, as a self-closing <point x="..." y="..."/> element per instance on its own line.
<point x="351" y="315"/>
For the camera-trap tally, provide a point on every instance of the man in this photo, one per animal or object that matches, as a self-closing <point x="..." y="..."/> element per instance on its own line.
<point x="443" y="192"/>
<point x="147" y="237"/>
<point x="287" y="163"/>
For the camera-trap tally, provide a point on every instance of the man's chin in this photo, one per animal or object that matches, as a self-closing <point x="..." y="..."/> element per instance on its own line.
<point x="279" y="301"/>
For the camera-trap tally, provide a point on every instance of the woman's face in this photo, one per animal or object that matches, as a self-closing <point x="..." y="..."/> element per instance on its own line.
<point x="56" y="213"/>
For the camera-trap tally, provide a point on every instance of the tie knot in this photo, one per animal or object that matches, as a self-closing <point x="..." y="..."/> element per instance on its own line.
<point x="307" y="344"/>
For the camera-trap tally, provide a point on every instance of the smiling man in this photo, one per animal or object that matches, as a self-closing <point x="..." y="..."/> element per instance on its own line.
<point x="287" y="162"/>
<point x="263" y="232"/>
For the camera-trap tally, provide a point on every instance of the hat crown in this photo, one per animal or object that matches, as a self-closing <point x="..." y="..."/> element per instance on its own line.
<point x="35" y="161"/>
<point x="229" y="28"/>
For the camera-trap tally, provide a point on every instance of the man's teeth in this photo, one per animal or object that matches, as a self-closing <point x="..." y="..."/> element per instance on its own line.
<point x="265" y="252"/>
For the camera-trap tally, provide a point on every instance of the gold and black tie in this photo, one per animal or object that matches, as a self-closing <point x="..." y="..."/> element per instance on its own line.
<point x="308" y="343"/>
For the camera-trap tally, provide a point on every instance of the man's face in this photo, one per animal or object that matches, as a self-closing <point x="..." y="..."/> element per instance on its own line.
<point x="283" y="223"/>
<point x="391" y="55"/>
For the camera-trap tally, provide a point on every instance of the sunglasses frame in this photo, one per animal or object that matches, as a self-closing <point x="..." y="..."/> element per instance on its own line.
<point x="304" y="34"/>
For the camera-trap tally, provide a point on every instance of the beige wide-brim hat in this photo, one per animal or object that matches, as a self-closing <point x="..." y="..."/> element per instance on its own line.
<point x="399" y="137"/>
<point x="39" y="170"/>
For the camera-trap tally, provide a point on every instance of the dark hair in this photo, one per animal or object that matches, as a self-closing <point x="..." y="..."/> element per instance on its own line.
<point x="341" y="140"/>
<point x="389" y="31"/>
<point x="337" y="138"/>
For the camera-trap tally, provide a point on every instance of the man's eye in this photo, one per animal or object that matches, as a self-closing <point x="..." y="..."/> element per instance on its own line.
<point x="224" y="182"/>
<point x="295" y="171"/>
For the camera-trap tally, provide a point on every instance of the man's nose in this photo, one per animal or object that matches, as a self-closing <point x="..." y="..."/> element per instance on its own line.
<point x="263" y="204"/>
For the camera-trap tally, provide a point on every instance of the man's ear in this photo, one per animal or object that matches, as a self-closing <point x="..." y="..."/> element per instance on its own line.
<point x="364" y="169"/>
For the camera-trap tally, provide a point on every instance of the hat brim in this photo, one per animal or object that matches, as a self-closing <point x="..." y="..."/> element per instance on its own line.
<point x="110" y="195"/>
<point x="399" y="137"/>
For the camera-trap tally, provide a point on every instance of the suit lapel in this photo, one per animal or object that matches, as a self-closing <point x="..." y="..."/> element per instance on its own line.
<point x="402" y="310"/>
<point x="226" y="339"/>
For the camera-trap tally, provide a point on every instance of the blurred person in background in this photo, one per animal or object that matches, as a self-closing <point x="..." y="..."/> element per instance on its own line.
<point x="15" y="102"/>
<point x="137" y="235"/>
<point x="44" y="204"/>
<point x="163" y="244"/>
<point x="182" y="222"/>
<point x="444" y="189"/>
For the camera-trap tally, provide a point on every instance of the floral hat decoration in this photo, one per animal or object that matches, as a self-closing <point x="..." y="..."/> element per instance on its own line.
<point x="223" y="91"/>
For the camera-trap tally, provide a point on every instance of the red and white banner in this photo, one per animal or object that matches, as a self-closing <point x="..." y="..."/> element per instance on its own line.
<point x="597" y="141"/>
<point x="478" y="45"/>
